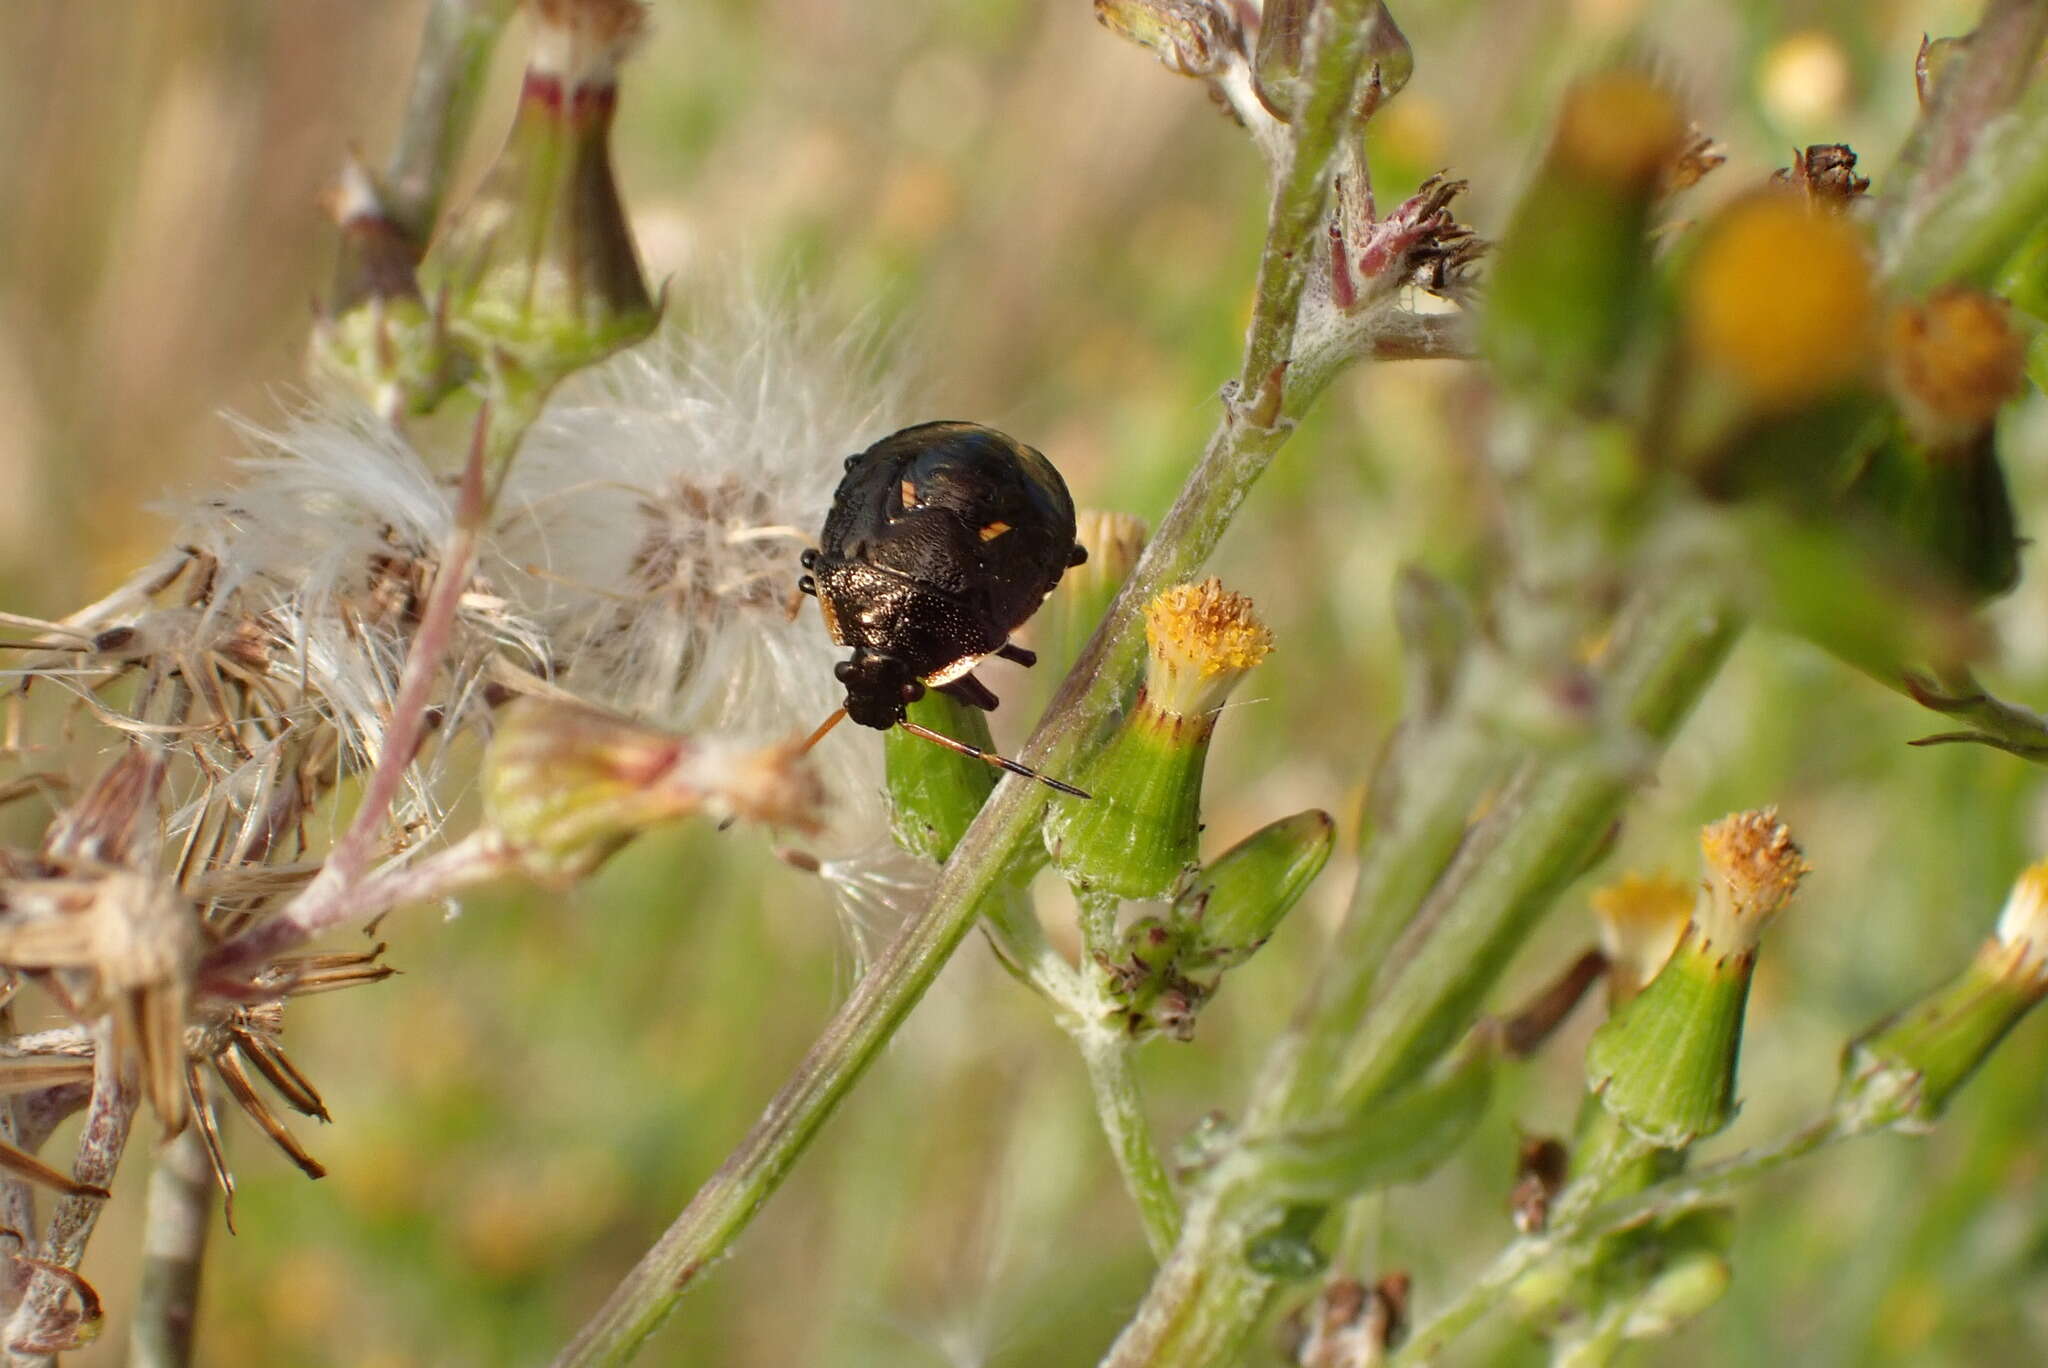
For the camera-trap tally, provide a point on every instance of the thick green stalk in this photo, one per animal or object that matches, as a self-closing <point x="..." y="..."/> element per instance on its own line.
<point x="1256" y="423"/>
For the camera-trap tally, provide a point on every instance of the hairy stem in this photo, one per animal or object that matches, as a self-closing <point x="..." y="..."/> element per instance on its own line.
<point x="476" y="859"/>
<point x="1255" y="425"/>
<point x="1584" y="1223"/>
<point x="1106" y="1051"/>
<point x="180" y="1207"/>
<point x="17" y="1198"/>
<point x="1121" y="1110"/>
<point x="455" y="56"/>
<point x="43" y="1324"/>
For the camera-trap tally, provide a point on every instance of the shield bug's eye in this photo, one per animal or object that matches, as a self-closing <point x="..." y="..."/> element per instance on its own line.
<point x="807" y="585"/>
<point x="809" y="559"/>
<point x="912" y="690"/>
<point x="843" y="671"/>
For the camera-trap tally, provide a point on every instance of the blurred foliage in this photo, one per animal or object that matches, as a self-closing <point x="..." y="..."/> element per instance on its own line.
<point x="1063" y="239"/>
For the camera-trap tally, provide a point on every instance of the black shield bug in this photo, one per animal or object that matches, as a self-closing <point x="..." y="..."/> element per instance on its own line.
<point x="943" y="538"/>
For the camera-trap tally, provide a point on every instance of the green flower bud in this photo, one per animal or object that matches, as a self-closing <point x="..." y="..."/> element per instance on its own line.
<point x="1235" y="903"/>
<point x="1572" y="273"/>
<point x="540" y="266"/>
<point x="566" y="785"/>
<point x="1665" y="1062"/>
<point x="376" y="332"/>
<point x="1952" y="362"/>
<point x="1191" y="37"/>
<point x="1947" y="509"/>
<point x="935" y="793"/>
<point x="1136" y="837"/>
<point x="1905" y="1070"/>
<point x="1146" y="978"/>
<point x="1074" y="610"/>
<point x="1779" y="312"/>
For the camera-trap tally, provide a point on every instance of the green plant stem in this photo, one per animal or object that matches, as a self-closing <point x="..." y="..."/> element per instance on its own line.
<point x="1360" y="1044"/>
<point x="1098" y="913"/>
<point x="1082" y="1011"/>
<point x="1119" y="1106"/>
<point x="1587" y="1223"/>
<point x="1985" y="207"/>
<point x="1257" y="422"/>
<point x="1537" y="838"/>
<point x="1020" y="944"/>
<point x="1121" y="1109"/>
<point x="455" y="56"/>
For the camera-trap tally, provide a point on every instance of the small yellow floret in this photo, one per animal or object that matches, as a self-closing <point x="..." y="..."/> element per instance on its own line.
<point x="1113" y="541"/>
<point x="1621" y="127"/>
<point x="1779" y="298"/>
<point x="1641" y="902"/>
<point x="1953" y="360"/>
<point x="1208" y="626"/>
<point x="1753" y="869"/>
<point x="1202" y="638"/>
<point x="1641" y="918"/>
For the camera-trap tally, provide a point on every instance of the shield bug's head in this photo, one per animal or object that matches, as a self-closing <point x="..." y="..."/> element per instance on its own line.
<point x="878" y="688"/>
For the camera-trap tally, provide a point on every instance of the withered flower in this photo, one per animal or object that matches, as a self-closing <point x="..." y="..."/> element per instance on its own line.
<point x="1826" y="172"/>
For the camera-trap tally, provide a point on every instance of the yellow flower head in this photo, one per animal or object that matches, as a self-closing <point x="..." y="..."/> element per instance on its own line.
<point x="1952" y="361"/>
<point x="1620" y="127"/>
<point x="1641" y="918"/>
<point x="1201" y="639"/>
<point x="1753" y="869"/>
<point x="1779" y="299"/>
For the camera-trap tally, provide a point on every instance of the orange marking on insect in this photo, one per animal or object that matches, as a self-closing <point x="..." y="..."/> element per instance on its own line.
<point x="994" y="530"/>
<point x="909" y="492"/>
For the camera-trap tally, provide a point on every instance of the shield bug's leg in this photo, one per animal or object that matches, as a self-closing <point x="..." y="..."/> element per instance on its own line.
<point x="990" y="757"/>
<point x="972" y="692"/>
<point x="1021" y="655"/>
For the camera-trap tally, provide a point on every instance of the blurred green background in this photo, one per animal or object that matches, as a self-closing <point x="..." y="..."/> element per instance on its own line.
<point x="1063" y="237"/>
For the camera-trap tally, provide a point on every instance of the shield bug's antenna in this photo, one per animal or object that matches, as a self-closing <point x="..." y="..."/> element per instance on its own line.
<point x="990" y="757"/>
<point x="838" y="716"/>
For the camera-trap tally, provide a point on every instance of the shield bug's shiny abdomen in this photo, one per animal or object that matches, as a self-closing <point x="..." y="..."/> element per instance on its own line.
<point x="942" y="540"/>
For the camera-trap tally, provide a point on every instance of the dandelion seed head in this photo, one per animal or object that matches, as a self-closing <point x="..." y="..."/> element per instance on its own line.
<point x="317" y="563"/>
<point x="658" y="511"/>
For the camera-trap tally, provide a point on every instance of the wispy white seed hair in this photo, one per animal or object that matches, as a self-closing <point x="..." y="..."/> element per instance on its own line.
<point x="659" y="509"/>
<point x="321" y="551"/>
<point x="875" y="888"/>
